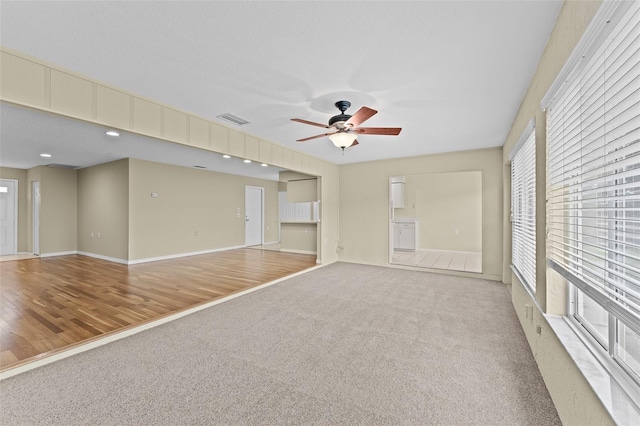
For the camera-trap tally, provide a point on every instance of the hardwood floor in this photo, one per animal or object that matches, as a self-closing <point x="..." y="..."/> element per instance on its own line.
<point x="51" y="304"/>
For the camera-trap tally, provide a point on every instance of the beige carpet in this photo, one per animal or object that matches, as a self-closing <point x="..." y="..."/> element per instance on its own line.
<point x="344" y="344"/>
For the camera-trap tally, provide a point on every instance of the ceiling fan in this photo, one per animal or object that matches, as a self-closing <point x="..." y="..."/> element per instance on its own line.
<point x="345" y="127"/>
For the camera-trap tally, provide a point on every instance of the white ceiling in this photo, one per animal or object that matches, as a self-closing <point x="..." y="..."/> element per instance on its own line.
<point x="452" y="74"/>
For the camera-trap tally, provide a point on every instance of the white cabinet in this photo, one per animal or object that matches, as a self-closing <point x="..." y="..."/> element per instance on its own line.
<point x="397" y="194"/>
<point x="405" y="236"/>
<point x="297" y="212"/>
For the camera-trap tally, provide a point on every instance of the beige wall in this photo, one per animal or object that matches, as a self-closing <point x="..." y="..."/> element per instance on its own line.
<point x="298" y="237"/>
<point x="103" y="208"/>
<point x="573" y="397"/>
<point x="58" y="209"/>
<point x="448" y="207"/>
<point x="302" y="191"/>
<point x="113" y="200"/>
<point x="364" y="203"/>
<point x="190" y="201"/>
<point x="23" y="184"/>
<point x="31" y="82"/>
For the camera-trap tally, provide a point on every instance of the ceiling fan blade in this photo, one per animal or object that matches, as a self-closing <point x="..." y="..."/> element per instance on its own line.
<point x="355" y="142"/>
<point x="361" y="116"/>
<point x="391" y="131"/>
<point x="313" y="137"/>
<point x="300" y="120"/>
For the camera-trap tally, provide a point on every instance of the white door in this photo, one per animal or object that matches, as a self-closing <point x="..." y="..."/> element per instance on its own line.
<point x="35" y="197"/>
<point x="8" y="216"/>
<point x="254" y="215"/>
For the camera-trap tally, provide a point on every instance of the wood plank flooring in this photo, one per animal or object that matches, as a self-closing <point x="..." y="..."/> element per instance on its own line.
<point x="51" y="304"/>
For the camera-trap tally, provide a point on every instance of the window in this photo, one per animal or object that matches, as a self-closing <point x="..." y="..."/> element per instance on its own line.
<point x="523" y="207"/>
<point x="593" y="184"/>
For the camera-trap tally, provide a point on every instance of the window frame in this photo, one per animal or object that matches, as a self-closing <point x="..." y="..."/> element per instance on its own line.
<point x="615" y="293"/>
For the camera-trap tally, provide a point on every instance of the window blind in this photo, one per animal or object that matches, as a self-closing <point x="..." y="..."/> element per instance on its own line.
<point x="523" y="209"/>
<point x="593" y="177"/>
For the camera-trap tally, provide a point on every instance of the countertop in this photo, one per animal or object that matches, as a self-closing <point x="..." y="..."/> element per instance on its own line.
<point x="405" y="220"/>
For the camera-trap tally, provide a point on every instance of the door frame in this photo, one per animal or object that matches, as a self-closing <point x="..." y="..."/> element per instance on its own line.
<point x="261" y="189"/>
<point x="35" y="215"/>
<point x="15" y="213"/>
<point x="391" y="211"/>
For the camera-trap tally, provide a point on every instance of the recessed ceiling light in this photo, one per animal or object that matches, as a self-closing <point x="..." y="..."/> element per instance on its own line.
<point x="226" y="156"/>
<point x="45" y="155"/>
<point x="247" y="161"/>
<point x="264" y="165"/>
<point x="112" y="133"/>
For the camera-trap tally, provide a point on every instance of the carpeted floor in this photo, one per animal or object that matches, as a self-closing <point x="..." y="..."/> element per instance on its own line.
<point x="344" y="344"/>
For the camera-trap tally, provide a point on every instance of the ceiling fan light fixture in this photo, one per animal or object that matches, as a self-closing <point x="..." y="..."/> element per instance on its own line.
<point x="343" y="139"/>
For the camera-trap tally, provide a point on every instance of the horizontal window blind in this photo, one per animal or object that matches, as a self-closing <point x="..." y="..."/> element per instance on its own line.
<point x="593" y="181"/>
<point x="523" y="210"/>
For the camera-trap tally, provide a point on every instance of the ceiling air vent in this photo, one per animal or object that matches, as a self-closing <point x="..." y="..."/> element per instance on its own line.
<point x="63" y="166"/>
<point x="233" y="119"/>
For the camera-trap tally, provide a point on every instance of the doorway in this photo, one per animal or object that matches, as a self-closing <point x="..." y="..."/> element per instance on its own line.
<point x="254" y="215"/>
<point x="8" y="216"/>
<point x="436" y="221"/>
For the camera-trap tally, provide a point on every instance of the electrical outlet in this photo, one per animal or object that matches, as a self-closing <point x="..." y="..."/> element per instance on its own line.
<point x="98" y="235"/>
<point x="92" y="235"/>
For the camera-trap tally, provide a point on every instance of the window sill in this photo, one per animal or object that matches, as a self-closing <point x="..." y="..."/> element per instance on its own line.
<point x="614" y="388"/>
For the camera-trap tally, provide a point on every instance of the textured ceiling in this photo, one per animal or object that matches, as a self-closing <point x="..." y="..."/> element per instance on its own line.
<point x="452" y="74"/>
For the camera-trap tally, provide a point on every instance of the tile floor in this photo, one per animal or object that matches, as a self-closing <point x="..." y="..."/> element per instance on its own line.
<point x="439" y="259"/>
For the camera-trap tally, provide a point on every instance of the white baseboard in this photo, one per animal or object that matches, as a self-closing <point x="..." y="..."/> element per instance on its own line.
<point x="107" y="258"/>
<point x="298" y="251"/>
<point x="60" y="253"/>
<point x="176" y="256"/>
<point x="145" y="260"/>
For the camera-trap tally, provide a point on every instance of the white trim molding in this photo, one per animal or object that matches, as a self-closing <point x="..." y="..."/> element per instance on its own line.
<point x="531" y="126"/>
<point x="60" y="253"/>
<point x="107" y="258"/>
<point x="178" y="255"/>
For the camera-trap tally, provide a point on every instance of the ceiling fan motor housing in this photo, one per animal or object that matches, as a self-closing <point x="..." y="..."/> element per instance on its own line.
<point x="342" y="106"/>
